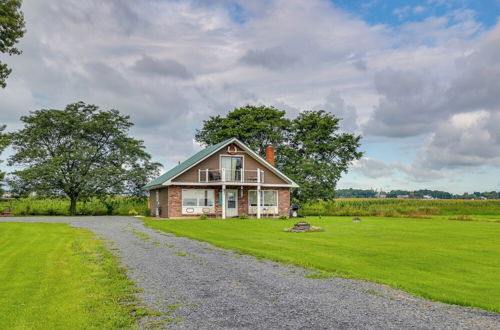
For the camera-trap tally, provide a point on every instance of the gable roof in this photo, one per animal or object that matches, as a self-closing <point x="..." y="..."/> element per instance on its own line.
<point x="200" y="155"/>
<point x="205" y="153"/>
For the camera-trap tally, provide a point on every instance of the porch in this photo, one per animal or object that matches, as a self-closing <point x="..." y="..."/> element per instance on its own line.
<point x="228" y="201"/>
<point x="230" y="176"/>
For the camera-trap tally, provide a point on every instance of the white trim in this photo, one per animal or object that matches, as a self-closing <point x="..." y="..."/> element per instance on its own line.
<point x="248" y="150"/>
<point x="266" y="164"/>
<point x="223" y="177"/>
<point x="261" y="198"/>
<point x="197" y="209"/>
<point x="226" y="200"/>
<point x="235" y="183"/>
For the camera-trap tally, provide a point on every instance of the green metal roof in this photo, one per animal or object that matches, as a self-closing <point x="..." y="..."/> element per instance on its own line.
<point x="186" y="164"/>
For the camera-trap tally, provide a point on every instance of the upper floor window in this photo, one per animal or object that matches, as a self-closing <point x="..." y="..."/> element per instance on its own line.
<point x="232" y="165"/>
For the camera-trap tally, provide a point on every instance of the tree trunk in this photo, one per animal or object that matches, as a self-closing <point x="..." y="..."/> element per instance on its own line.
<point x="72" y="205"/>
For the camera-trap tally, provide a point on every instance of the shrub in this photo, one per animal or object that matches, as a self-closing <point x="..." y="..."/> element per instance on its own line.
<point x="283" y="217"/>
<point x="243" y="216"/>
<point x="133" y="212"/>
<point x="203" y="217"/>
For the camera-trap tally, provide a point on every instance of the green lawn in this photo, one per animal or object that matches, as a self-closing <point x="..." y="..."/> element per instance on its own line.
<point x="456" y="262"/>
<point x="53" y="276"/>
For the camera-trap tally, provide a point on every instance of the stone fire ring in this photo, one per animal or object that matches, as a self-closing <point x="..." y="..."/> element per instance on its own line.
<point x="302" y="227"/>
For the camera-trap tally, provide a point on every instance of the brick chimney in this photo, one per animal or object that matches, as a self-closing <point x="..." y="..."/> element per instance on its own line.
<point x="270" y="155"/>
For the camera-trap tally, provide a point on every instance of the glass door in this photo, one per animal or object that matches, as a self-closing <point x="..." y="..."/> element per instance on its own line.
<point x="232" y="167"/>
<point x="231" y="203"/>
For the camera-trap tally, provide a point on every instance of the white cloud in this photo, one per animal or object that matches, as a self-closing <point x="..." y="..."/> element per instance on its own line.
<point x="372" y="168"/>
<point x="171" y="64"/>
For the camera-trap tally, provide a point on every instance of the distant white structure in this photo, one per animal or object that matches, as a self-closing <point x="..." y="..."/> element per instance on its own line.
<point x="427" y="197"/>
<point x="402" y="196"/>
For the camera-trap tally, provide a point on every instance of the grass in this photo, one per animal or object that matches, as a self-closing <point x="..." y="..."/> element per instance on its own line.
<point x="456" y="262"/>
<point x="53" y="276"/>
<point x="416" y="208"/>
<point x="59" y="206"/>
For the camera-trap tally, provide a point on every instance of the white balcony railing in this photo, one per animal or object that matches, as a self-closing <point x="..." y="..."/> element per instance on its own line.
<point x="225" y="175"/>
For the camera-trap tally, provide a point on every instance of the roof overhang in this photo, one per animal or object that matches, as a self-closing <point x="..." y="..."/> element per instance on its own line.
<point x="256" y="156"/>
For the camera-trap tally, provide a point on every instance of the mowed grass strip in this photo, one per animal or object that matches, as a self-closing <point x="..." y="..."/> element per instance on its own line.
<point x="53" y="276"/>
<point x="456" y="262"/>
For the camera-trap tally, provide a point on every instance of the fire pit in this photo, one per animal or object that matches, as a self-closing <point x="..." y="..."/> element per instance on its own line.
<point x="302" y="227"/>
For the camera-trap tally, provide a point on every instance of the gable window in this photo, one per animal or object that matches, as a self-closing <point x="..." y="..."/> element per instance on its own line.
<point x="232" y="165"/>
<point x="198" y="201"/>
<point x="268" y="201"/>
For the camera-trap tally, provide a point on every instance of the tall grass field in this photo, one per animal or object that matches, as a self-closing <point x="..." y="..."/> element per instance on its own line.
<point x="338" y="207"/>
<point x="60" y="206"/>
<point x="385" y="207"/>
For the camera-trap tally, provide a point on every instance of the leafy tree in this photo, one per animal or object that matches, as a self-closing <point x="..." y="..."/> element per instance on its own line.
<point x="80" y="151"/>
<point x="317" y="154"/>
<point x="4" y="142"/>
<point x="11" y="30"/>
<point x="256" y="126"/>
<point x="311" y="148"/>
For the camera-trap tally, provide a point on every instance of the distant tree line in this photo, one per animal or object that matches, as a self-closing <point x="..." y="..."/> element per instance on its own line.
<point x="371" y="193"/>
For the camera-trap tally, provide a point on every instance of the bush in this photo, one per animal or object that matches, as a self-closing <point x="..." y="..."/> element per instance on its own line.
<point x="283" y="217"/>
<point x="203" y="217"/>
<point x="243" y="216"/>
<point x="133" y="212"/>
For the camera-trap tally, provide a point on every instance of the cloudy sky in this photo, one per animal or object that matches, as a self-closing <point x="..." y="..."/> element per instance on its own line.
<point x="420" y="80"/>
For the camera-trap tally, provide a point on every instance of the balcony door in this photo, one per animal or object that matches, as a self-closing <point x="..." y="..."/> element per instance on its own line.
<point x="232" y="165"/>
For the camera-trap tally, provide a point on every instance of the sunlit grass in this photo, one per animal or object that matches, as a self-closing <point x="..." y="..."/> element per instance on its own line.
<point x="53" y="276"/>
<point x="456" y="262"/>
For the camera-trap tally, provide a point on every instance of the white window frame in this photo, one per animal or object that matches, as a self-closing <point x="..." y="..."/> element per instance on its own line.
<point x="264" y="209"/>
<point x="198" y="209"/>
<point x="242" y="162"/>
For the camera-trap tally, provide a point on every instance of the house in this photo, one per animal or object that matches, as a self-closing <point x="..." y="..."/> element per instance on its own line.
<point x="225" y="180"/>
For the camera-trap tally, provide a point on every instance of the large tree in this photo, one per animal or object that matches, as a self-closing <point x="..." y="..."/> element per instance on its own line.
<point x="3" y="144"/>
<point x="317" y="153"/>
<point x="11" y="30"/>
<point x="80" y="151"/>
<point x="258" y="126"/>
<point x="311" y="148"/>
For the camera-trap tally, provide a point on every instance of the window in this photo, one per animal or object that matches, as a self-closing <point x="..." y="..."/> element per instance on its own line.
<point x="232" y="166"/>
<point x="268" y="198"/>
<point x="198" y="197"/>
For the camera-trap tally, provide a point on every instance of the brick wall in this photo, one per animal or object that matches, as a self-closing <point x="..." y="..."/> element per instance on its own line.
<point x="284" y="201"/>
<point x="171" y="200"/>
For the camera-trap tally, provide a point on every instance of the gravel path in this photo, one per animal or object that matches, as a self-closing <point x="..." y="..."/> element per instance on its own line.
<point x="198" y="286"/>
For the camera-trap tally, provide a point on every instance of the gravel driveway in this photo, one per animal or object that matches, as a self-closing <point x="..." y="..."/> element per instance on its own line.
<point x="198" y="286"/>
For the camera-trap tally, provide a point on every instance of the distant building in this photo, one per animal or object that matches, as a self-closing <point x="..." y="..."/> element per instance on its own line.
<point x="427" y="197"/>
<point x="402" y="196"/>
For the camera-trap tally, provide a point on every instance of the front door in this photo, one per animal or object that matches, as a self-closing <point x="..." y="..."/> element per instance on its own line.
<point x="231" y="203"/>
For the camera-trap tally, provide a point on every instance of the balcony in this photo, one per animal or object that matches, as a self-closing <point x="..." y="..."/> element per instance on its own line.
<point x="231" y="176"/>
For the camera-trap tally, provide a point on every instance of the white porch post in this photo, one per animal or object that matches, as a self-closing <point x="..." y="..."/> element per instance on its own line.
<point x="223" y="202"/>
<point x="258" y="201"/>
<point x="258" y="193"/>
